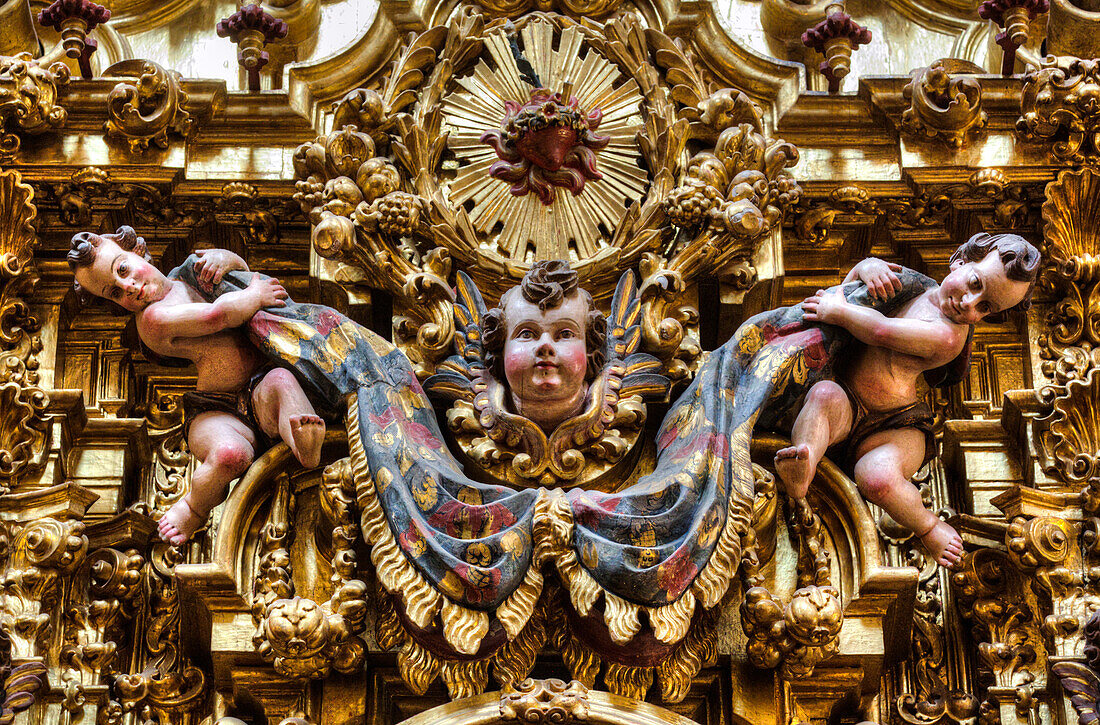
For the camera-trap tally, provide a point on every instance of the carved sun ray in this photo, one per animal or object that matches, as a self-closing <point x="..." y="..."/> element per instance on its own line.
<point x="522" y="227"/>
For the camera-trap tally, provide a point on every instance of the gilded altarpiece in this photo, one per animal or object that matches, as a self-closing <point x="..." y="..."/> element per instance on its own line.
<point x="406" y="164"/>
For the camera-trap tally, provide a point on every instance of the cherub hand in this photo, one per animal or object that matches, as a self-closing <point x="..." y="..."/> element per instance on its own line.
<point x="212" y="265"/>
<point x="823" y="306"/>
<point x="268" y="291"/>
<point x="880" y="277"/>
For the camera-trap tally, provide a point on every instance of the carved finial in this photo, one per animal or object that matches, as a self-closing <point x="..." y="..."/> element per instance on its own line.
<point x="74" y="19"/>
<point x="252" y="28"/>
<point x="1014" y="16"/>
<point x="836" y="37"/>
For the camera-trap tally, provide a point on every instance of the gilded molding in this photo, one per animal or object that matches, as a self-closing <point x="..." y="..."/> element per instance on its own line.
<point x="1059" y="108"/>
<point x="943" y="103"/>
<point x="147" y="109"/>
<point x="28" y="99"/>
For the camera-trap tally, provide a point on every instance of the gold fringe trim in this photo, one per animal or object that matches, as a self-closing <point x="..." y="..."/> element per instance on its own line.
<point x="697" y="650"/>
<point x="465" y="679"/>
<point x="621" y="618"/>
<point x="464" y="628"/>
<point x="711" y="584"/>
<point x="387" y="626"/>
<point x="583" y="662"/>
<point x="628" y="681"/>
<point x="515" y="612"/>
<point x="671" y="623"/>
<point x="417" y="665"/>
<point x="513" y="662"/>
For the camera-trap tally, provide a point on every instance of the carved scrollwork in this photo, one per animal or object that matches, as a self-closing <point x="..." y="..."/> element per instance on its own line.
<point x="799" y="634"/>
<point x="1069" y="439"/>
<point x="41" y="552"/>
<point x="304" y="639"/>
<point x="1047" y="546"/>
<point x="28" y="99"/>
<point x="23" y="420"/>
<point x="991" y="593"/>
<point x="146" y="110"/>
<point x="943" y="103"/>
<point x="1060" y="107"/>
<point x="545" y="701"/>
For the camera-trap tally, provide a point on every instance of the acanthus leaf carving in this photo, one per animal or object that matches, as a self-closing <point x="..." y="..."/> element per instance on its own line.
<point x="1059" y="107"/>
<point x="28" y="99"/>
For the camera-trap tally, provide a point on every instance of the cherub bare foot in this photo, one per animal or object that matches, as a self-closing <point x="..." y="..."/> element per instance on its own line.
<point x="944" y="543"/>
<point x="307" y="433"/>
<point x="180" y="522"/>
<point x="794" y="469"/>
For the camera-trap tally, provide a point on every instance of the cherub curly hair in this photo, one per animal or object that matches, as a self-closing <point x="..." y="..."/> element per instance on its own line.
<point x="547" y="285"/>
<point x="85" y="246"/>
<point x="1019" y="257"/>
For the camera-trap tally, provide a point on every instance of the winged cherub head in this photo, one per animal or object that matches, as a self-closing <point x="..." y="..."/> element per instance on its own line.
<point x="546" y="340"/>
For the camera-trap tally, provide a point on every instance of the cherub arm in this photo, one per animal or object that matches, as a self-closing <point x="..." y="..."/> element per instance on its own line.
<point x="921" y="338"/>
<point x="880" y="277"/>
<point x="169" y="322"/>
<point x="212" y="264"/>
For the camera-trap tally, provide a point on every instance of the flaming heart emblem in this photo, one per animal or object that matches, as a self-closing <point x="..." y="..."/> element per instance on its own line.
<point x="545" y="143"/>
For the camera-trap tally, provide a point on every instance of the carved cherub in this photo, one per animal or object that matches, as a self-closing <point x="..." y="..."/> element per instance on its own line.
<point x="546" y="339"/>
<point x="872" y="407"/>
<point x="241" y="403"/>
<point x="544" y="375"/>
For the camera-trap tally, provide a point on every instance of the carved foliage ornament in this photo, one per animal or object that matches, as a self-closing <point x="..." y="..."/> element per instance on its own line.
<point x="145" y="110"/>
<point x="943" y="104"/>
<point x="408" y="187"/>
<point x="28" y="99"/>
<point x="1061" y="107"/>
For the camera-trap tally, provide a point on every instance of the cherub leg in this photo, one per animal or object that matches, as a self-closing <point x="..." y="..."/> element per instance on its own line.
<point x="225" y="446"/>
<point x="825" y="419"/>
<point x="887" y="461"/>
<point x="284" y="411"/>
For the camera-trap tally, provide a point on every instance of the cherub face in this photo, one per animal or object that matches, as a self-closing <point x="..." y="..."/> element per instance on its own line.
<point x="545" y="358"/>
<point x="122" y="277"/>
<point x="973" y="290"/>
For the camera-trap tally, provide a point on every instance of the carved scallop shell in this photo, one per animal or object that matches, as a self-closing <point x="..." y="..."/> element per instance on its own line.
<point x="17" y="213"/>
<point x="1072" y="227"/>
